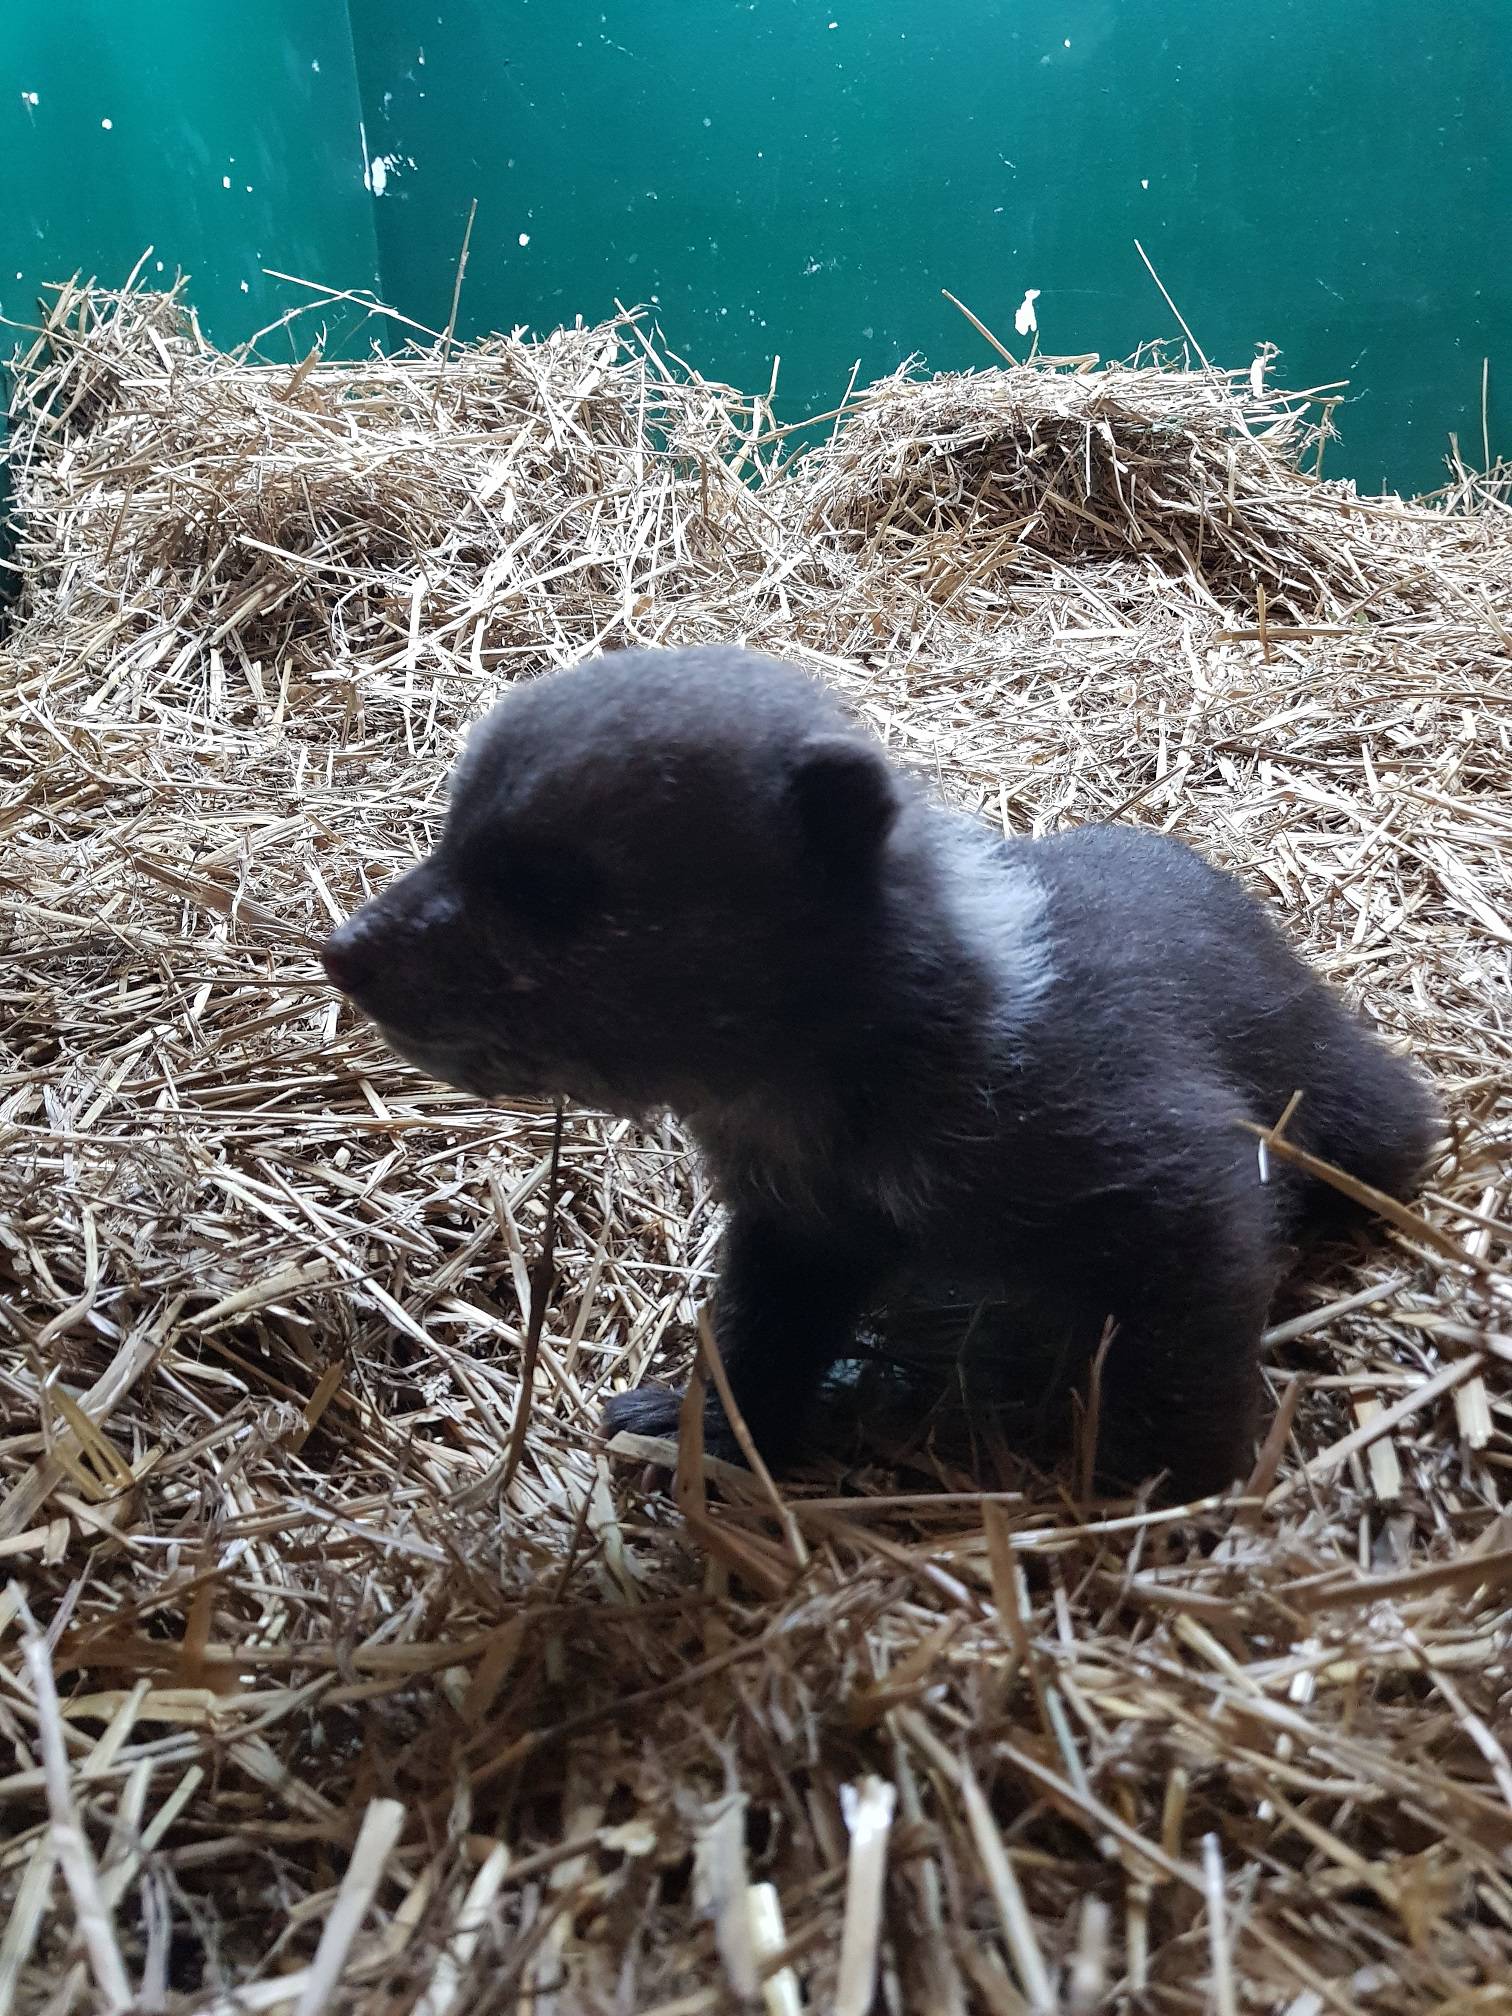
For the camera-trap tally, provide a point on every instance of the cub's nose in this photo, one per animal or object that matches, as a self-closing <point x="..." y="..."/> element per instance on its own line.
<point x="350" y="957"/>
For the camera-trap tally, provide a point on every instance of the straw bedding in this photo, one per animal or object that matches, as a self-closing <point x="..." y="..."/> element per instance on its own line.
<point x="320" y="1695"/>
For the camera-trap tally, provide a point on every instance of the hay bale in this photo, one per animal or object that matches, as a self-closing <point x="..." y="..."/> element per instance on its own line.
<point x="315" y="517"/>
<point x="995" y="477"/>
<point x="318" y="1696"/>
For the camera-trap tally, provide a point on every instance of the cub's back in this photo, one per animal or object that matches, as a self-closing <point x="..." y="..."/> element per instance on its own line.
<point x="1166" y="971"/>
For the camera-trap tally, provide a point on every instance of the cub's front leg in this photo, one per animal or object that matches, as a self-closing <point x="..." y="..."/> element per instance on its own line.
<point x="785" y="1309"/>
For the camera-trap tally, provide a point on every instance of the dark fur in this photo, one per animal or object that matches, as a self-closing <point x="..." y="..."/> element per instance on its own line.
<point x="686" y="881"/>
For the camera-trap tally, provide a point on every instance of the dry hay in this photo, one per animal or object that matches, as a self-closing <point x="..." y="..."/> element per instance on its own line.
<point x="318" y="1700"/>
<point x="995" y="478"/>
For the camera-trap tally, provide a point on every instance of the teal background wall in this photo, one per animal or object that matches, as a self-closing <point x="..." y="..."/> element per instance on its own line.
<point x="804" y="176"/>
<point x="233" y="146"/>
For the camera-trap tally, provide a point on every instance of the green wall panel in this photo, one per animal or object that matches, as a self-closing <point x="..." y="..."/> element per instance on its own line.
<point x="804" y="176"/>
<point x="226" y="137"/>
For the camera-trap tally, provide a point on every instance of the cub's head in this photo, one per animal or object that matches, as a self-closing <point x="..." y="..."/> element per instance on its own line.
<point x="653" y="869"/>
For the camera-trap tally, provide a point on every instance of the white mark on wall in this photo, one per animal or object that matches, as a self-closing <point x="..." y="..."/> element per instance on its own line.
<point x="225" y="181"/>
<point x="524" y="238"/>
<point x="315" y="66"/>
<point x="1025" y="320"/>
<point x="378" y="169"/>
<point x="1144" y="181"/>
<point x="106" y="125"/>
<point x="30" y="100"/>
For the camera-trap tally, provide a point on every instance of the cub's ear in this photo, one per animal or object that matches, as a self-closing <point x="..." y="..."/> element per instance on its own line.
<point x="847" y="799"/>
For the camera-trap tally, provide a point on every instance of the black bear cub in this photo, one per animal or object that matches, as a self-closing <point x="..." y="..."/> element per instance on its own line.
<point x="686" y="881"/>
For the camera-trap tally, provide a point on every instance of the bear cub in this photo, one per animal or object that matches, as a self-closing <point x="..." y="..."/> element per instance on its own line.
<point x="686" y="881"/>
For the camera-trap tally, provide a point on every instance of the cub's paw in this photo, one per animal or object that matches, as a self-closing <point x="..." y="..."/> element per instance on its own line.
<point x="645" y="1410"/>
<point x="657" y="1410"/>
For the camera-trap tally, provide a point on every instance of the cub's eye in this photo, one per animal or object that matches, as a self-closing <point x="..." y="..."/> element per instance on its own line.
<point x="548" y="889"/>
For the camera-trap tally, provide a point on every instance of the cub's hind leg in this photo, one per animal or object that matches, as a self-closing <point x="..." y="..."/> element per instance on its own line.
<point x="1365" y="1110"/>
<point x="1192" y="1272"/>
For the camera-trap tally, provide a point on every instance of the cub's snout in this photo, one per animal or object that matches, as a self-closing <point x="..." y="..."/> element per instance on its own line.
<point x="392" y="955"/>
